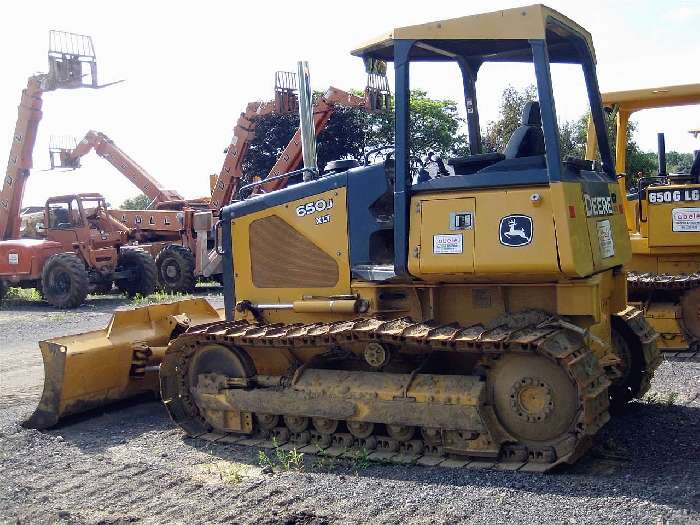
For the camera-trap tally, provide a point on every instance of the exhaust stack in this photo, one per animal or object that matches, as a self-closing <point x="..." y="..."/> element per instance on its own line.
<point x="662" y="154"/>
<point x="306" y="122"/>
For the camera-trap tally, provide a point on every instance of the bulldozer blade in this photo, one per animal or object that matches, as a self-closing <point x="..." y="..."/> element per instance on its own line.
<point x="93" y="369"/>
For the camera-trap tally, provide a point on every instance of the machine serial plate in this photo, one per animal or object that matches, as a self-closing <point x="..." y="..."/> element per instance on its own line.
<point x="449" y="243"/>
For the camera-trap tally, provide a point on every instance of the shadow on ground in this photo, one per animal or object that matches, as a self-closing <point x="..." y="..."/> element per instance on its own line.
<point x="651" y="444"/>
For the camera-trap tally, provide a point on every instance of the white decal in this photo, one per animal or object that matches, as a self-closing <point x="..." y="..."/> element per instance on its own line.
<point x="660" y="197"/>
<point x="597" y="206"/>
<point x="451" y="243"/>
<point x="605" y="239"/>
<point x="686" y="219"/>
<point x="314" y="207"/>
<point x="13" y="258"/>
<point x="323" y="219"/>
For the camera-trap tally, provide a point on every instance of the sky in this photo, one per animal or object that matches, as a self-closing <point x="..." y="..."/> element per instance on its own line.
<point x="190" y="68"/>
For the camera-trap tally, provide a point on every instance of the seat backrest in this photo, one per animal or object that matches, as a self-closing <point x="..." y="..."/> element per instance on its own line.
<point x="528" y="139"/>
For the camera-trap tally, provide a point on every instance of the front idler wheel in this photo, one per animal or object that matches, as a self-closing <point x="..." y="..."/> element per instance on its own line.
<point x="535" y="400"/>
<point x="215" y="359"/>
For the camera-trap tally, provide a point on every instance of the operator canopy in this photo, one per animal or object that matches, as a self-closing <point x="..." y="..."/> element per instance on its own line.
<point x="497" y="36"/>
<point x="658" y="97"/>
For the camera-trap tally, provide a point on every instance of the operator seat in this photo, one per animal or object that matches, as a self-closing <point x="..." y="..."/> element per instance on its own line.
<point x="528" y="139"/>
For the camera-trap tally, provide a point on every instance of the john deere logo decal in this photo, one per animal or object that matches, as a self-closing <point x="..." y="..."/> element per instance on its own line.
<point x="516" y="230"/>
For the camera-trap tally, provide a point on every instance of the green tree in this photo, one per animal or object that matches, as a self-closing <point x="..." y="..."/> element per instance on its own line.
<point x="678" y="162"/>
<point x="140" y="202"/>
<point x="435" y="126"/>
<point x="499" y="131"/>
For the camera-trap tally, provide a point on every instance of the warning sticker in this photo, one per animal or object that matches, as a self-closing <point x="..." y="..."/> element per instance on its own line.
<point x="447" y="243"/>
<point x="13" y="258"/>
<point x="605" y="239"/>
<point x="686" y="219"/>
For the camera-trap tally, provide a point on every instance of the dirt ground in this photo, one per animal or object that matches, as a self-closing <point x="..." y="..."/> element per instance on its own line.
<point x="130" y="464"/>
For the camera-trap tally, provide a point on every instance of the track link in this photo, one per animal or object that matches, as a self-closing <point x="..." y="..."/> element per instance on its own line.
<point x="516" y="334"/>
<point x="649" y="282"/>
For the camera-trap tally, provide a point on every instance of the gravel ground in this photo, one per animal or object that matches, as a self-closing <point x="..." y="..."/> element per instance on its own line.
<point x="130" y="464"/>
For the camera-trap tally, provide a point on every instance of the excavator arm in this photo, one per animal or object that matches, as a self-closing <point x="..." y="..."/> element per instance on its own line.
<point x="108" y="150"/>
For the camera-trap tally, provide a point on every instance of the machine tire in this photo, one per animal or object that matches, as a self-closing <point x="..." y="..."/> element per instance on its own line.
<point x="65" y="281"/>
<point x="175" y="266"/>
<point x="146" y="273"/>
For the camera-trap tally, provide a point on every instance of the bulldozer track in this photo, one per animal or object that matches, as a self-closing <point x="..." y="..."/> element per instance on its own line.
<point x="659" y="281"/>
<point x="649" y="282"/>
<point x="560" y="345"/>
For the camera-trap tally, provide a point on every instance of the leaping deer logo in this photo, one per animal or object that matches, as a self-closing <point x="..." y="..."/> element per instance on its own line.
<point x="518" y="231"/>
<point x="515" y="232"/>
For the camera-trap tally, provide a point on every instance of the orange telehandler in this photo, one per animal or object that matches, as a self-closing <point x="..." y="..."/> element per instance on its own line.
<point x="179" y="233"/>
<point x="83" y="247"/>
<point x="63" y="157"/>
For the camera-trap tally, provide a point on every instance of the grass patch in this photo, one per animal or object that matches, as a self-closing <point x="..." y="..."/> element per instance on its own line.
<point x="221" y="472"/>
<point x="360" y="460"/>
<point x="324" y="462"/>
<point x="659" y="398"/>
<point x="280" y="459"/>
<point x="156" y="297"/>
<point x="23" y="294"/>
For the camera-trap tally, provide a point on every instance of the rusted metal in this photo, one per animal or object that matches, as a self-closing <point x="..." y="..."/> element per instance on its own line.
<point x="487" y="344"/>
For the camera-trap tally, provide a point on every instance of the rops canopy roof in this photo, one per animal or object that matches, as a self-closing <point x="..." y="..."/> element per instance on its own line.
<point x="497" y="36"/>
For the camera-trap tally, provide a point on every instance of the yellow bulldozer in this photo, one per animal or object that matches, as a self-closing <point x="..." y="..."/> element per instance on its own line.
<point x="663" y="220"/>
<point x="477" y="318"/>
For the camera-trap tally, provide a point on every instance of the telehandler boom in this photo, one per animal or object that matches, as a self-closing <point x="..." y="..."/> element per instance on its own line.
<point x="663" y="220"/>
<point x="80" y="249"/>
<point x="106" y="148"/>
<point x="480" y="316"/>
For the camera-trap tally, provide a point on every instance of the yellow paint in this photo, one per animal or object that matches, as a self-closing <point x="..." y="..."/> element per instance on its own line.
<point x="521" y="23"/>
<point x="94" y="368"/>
<point x="331" y="237"/>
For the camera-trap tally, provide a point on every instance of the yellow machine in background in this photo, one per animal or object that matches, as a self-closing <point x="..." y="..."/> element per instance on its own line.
<point x="479" y="316"/>
<point x="663" y="218"/>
